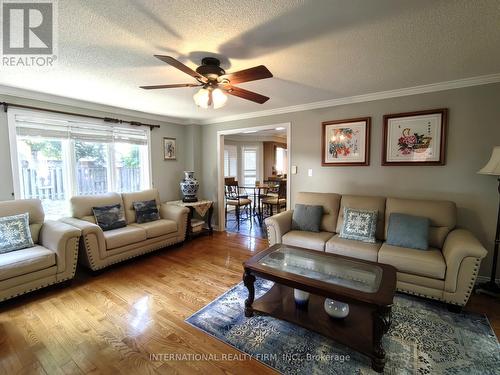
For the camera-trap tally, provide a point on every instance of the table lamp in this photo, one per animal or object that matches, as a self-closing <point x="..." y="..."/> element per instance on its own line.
<point x="492" y="168"/>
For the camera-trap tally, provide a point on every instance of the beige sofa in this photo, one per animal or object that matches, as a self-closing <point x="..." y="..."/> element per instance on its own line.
<point x="446" y="271"/>
<point x="52" y="259"/>
<point x="99" y="249"/>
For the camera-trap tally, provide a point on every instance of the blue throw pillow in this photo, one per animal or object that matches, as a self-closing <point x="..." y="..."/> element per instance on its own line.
<point x="110" y="217"/>
<point x="15" y="233"/>
<point x="359" y="225"/>
<point x="408" y="231"/>
<point x="307" y="217"/>
<point x="146" y="211"/>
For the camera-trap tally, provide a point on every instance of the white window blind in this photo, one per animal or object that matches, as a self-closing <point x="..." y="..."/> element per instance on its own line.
<point x="55" y="157"/>
<point x="249" y="165"/>
<point x="34" y="126"/>
<point x="230" y="161"/>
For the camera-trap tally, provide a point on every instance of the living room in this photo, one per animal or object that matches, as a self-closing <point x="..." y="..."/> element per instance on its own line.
<point x="282" y="187"/>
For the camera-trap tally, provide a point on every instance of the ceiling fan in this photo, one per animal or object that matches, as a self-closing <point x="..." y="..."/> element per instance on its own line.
<point x="215" y="83"/>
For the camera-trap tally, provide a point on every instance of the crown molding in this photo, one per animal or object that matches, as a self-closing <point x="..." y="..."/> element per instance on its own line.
<point x="422" y="89"/>
<point x="86" y="105"/>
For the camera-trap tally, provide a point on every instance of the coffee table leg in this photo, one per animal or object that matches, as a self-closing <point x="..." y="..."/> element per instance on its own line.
<point x="381" y="324"/>
<point x="248" y="280"/>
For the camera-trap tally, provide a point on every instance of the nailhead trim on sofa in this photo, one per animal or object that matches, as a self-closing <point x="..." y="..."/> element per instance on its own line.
<point x="95" y="267"/>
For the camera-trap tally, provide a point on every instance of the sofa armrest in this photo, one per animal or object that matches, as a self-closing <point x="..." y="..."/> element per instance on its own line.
<point x="278" y="225"/>
<point x="460" y="244"/>
<point x="62" y="239"/>
<point x="92" y="240"/>
<point x="178" y="214"/>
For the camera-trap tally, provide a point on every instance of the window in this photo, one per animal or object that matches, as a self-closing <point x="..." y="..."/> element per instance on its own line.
<point x="281" y="161"/>
<point x="230" y="161"/>
<point x="249" y="166"/>
<point x="56" y="157"/>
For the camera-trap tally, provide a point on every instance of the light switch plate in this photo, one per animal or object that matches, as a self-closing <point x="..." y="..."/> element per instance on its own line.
<point x="310" y="172"/>
<point x="294" y="169"/>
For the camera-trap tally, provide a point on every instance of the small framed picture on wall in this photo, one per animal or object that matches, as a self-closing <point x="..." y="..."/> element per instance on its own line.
<point x="169" y="148"/>
<point x="415" y="138"/>
<point x="346" y="142"/>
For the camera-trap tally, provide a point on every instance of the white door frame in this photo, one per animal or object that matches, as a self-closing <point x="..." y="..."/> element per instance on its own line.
<point x="220" y="164"/>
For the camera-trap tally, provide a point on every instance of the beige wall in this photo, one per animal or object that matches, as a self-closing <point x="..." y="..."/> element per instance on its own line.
<point x="166" y="174"/>
<point x="474" y="128"/>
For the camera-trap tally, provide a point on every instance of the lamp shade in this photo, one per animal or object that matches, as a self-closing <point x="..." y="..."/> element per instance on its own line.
<point x="493" y="166"/>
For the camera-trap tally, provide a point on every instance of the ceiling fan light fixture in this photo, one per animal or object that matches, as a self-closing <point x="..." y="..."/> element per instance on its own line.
<point x="206" y="97"/>
<point x="219" y="98"/>
<point x="202" y="98"/>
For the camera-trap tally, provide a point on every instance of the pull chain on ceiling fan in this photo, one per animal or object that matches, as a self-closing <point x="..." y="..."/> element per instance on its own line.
<point x="215" y="83"/>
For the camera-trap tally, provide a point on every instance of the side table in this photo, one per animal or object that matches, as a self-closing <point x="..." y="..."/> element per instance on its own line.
<point x="205" y="209"/>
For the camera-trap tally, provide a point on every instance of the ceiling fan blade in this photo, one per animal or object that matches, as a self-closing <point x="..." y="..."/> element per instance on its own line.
<point x="177" y="64"/>
<point x="248" y="95"/>
<point x="251" y="74"/>
<point x="170" y="86"/>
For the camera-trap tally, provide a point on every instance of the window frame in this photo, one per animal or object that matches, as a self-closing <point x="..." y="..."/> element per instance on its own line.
<point x="69" y="151"/>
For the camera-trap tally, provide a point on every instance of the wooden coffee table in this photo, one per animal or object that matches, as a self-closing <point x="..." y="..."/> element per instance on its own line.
<point x="367" y="287"/>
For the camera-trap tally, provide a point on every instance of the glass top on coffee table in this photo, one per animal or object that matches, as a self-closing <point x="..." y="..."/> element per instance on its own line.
<point x="347" y="273"/>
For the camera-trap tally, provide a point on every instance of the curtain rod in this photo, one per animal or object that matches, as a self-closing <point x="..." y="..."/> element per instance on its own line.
<point x="105" y="119"/>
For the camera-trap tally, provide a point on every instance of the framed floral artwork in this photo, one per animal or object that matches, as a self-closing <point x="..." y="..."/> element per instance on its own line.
<point x="346" y="142"/>
<point x="169" y="148"/>
<point x="415" y="138"/>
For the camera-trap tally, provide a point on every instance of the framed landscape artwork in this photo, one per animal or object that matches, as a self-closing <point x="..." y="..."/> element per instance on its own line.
<point x="169" y="148"/>
<point x="415" y="138"/>
<point x="346" y="142"/>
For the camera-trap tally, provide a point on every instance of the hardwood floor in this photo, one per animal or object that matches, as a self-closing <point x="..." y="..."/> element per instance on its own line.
<point x="113" y="322"/>
<point x="248" y="227"/>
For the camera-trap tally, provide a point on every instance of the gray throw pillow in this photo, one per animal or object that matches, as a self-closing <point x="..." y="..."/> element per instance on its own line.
<point x="307" y="217"/>
<point x="110" y="217"/>
<point x="359" y="225"/>
<point x="408" y="231"/>
<point x="15" y="233"/>
<point x="146" y="211"/>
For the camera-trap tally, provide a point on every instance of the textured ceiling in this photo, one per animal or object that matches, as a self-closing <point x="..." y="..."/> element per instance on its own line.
<point x="317" y="50"/>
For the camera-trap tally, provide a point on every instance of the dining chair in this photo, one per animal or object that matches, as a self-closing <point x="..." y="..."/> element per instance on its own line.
<point x="279" y="200"/>
<point x="238" y="201"/>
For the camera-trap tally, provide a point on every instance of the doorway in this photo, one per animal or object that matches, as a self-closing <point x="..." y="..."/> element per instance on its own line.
<point x="253" y="176"/>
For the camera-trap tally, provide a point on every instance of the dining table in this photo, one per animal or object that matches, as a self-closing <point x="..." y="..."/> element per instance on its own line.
<point x="258" y="192"/>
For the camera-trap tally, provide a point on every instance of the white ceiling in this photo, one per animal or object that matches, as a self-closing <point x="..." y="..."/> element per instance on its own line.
<point x="317" y="50"/>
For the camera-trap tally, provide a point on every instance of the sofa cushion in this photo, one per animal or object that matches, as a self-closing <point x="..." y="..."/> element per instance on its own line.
<point x="307" y="217"/>
<point x="158" y="228"/>
<point x="130" y="198"/>
<point x="442" y="216"/>
<point x="353" y="248"/>
<point x="20" y="206"/>
<point x="109" y="217"/>
<point x="428" y="263"/>
<point x="359" y="225"/>
<point x="146" y="211"/>
<point x="21" y="262"/>
<point x="408" y="231"/>
<point x="308" y="240"/>
<point x="364" y="202"/>
<point x="330" y="203"/>
<point x="124" y="236"/>
<point x="15" y="233"/>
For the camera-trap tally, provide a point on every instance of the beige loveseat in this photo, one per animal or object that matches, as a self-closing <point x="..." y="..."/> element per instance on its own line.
<point x="446" y="271"/>
<point x="99" y="249"/>
<point x="52" y="259"/>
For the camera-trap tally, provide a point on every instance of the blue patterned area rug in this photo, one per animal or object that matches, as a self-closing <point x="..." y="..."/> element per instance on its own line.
<point x="425" y="338"/>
